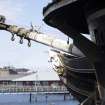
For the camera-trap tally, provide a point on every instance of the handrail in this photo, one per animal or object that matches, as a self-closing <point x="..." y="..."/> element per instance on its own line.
<point x="13" y="88"/>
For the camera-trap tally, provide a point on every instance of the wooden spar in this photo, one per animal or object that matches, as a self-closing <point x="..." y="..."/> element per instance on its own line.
<point x="37" y="37"/>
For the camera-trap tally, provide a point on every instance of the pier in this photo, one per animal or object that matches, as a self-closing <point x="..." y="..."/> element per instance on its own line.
<point x="38" y="94"/>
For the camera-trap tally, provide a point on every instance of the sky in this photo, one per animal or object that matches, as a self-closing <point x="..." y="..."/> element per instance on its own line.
<point x="22" y="13"/>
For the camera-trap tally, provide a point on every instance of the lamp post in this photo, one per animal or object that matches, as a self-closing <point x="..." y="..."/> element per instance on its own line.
<point x="36" y="85"/>
<point x="35" y="89"/>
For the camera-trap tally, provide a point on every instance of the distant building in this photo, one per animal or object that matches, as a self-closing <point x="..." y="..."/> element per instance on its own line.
<point x="4" y="71"/>
<point x="13" y="70"/>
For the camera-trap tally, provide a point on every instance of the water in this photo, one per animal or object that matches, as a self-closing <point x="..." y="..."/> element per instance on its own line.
<point x="41" y="99"/>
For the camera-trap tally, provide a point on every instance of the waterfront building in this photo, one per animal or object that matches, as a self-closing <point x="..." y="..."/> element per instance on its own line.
<point x="41" y="81"/>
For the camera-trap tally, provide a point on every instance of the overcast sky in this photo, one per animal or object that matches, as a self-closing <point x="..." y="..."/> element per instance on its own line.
<point x="22" y="13"/>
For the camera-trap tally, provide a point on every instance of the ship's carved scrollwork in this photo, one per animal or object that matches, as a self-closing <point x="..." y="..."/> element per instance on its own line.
<point x="56" y="62"/>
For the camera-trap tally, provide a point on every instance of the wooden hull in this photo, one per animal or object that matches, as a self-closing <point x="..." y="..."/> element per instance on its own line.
<point x="74" y="17"/>
<point x="77" y="75"/>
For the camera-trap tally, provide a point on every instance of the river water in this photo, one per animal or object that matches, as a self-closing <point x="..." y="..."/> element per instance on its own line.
<point x="39" y="99"/>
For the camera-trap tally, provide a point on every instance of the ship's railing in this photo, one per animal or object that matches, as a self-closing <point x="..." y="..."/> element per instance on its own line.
<point x="13" y="88"/>
<point x="56" y="4"/>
